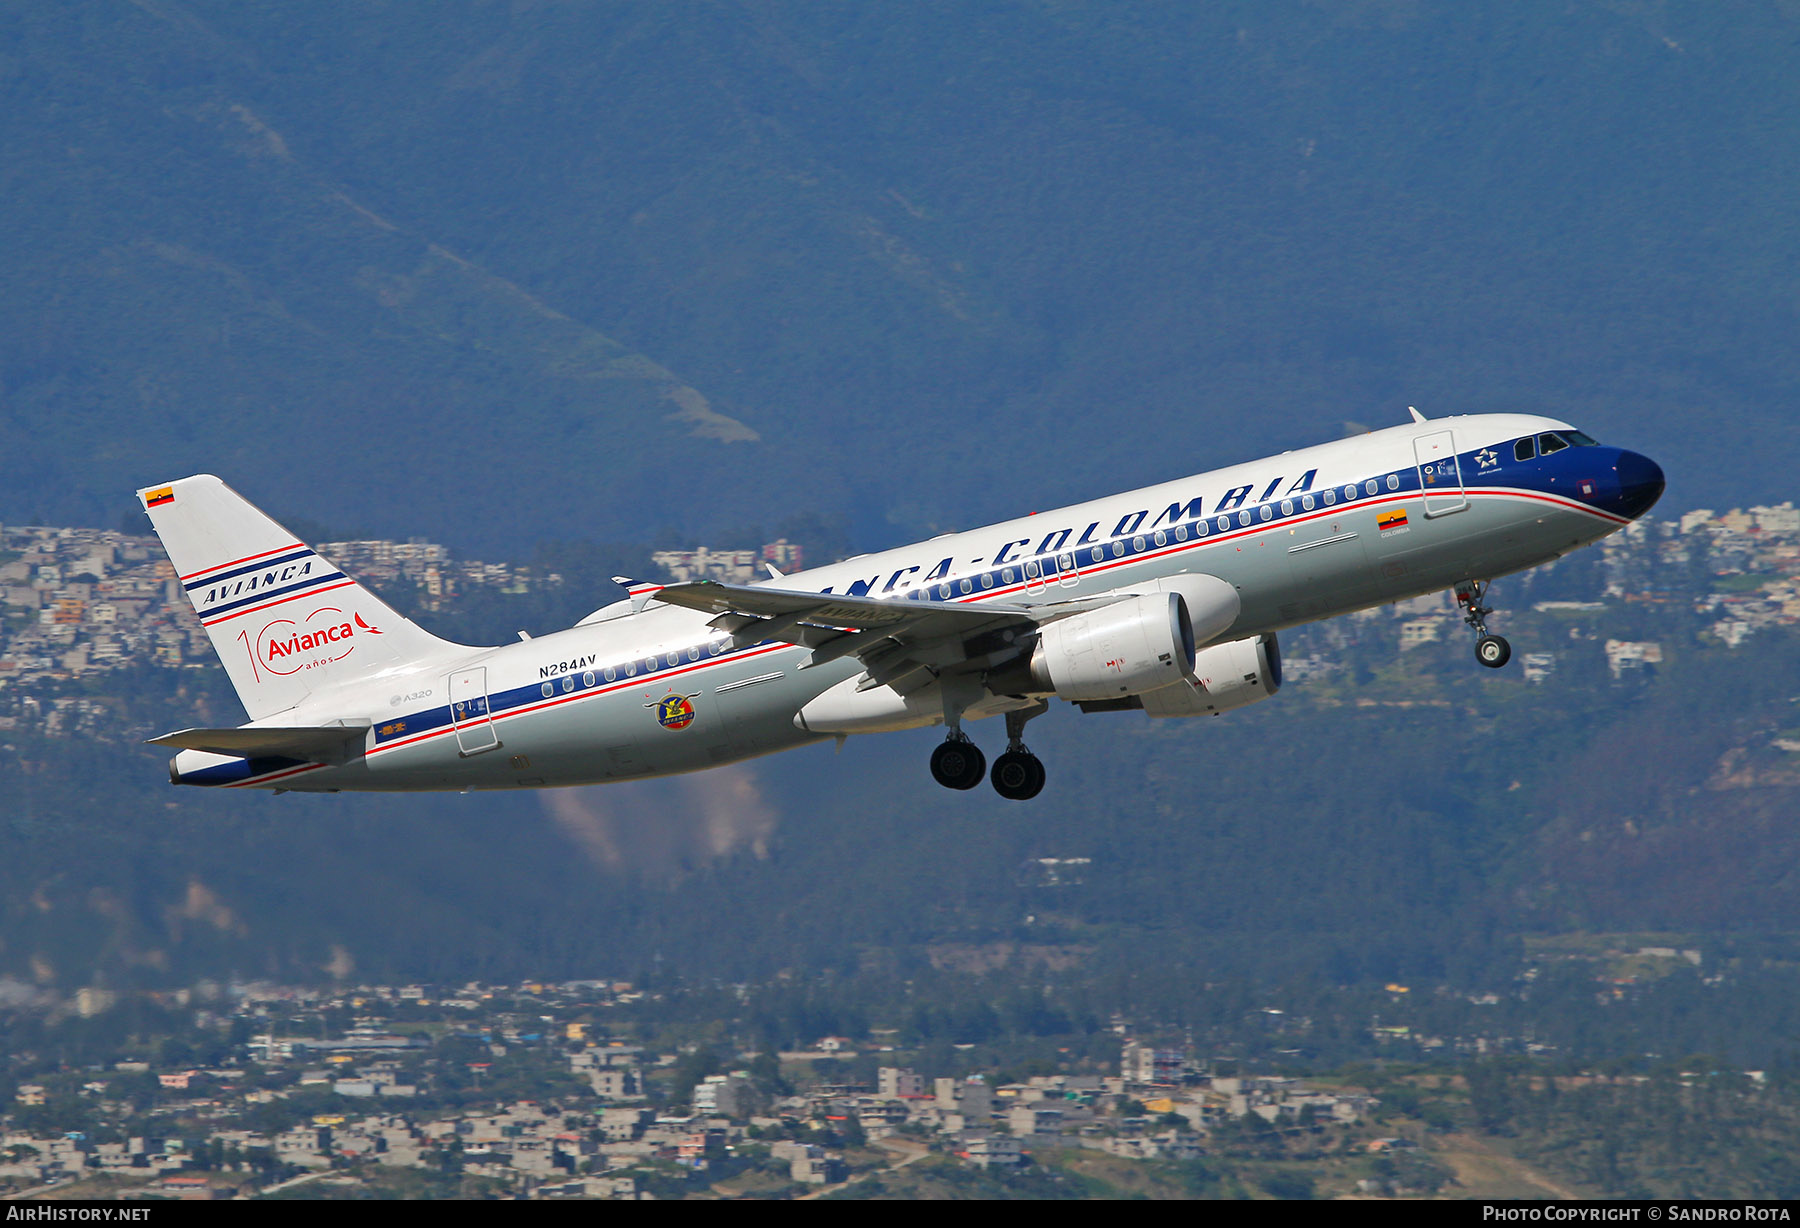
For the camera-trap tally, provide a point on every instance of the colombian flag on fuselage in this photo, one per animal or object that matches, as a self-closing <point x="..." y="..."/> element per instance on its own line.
<point x="1395" y="519"/>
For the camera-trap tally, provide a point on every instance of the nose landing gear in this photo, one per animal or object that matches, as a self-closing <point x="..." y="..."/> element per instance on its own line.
<point x="1491" y="650"/>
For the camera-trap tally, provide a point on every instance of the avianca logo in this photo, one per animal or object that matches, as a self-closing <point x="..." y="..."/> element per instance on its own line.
<point x="287" y="647"/>
<point x="251" y="584"/>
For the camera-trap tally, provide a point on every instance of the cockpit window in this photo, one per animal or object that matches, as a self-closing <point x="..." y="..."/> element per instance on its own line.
<point x="1581" y="440"/>
<point x="1525" y="449"/>
<point x="1550" y="442"/>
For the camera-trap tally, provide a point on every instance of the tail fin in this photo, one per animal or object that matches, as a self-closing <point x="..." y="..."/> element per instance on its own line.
<point x="285" y="622"/>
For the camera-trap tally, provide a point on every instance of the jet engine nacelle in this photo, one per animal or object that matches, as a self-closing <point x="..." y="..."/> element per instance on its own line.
<point x="1132" y="646"/>
<point x="1226" y="676"/>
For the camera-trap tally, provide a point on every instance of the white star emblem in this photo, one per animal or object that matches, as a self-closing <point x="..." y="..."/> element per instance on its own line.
<point x="1487" y="458"/>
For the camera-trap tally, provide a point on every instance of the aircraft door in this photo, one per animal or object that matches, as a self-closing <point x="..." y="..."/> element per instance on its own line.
<point x="1440" y="476"/>
<point x="1034" y="576"/>
<point x="469" y="714"/>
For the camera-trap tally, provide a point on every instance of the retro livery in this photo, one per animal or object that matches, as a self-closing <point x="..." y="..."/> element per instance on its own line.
<point x="1165" y="600"/>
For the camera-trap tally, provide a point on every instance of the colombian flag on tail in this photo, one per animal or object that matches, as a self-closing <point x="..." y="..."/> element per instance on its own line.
<point x="156" y="498"/>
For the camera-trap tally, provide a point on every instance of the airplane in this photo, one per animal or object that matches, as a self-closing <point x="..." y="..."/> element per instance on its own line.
<point x="1166" y="600"/>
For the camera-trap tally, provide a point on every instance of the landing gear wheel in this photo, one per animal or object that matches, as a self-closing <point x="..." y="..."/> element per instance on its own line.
<point x="1018" y="775"/>
<point x="958" y="764"/>
<point x="1492" y="651"/>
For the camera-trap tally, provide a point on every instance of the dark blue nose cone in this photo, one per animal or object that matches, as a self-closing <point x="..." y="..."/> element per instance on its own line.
<point x="1640" y="484"/>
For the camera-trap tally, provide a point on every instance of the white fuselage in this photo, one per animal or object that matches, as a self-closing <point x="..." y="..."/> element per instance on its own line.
<point x="1301" y="536"/>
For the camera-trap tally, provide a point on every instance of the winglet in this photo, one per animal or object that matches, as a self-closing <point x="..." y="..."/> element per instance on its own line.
<point x="775" y="572"/>
<point x="1416" y="415"/>
<point x="640" y="591"/>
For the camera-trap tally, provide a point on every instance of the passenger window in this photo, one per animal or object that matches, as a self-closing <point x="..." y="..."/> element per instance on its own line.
<point x="568" y="683"/>
<point x="1007" y="575"/>
<point x="1393" y="481"/>
<point x="1180" y="532"/>
<point x="1330" y="497"/>
<point x="1096" y="554"/>
<point x="1550" y="442"/>
<point x="1118" y="548"/>
<point x="1525" y="449"/>
<point x="587" y="679"/>
<point x="1349" y="493"/>
<point x="987" y="579"/>
<point x="1137" y="544"/>
<point x="670" y="658"/>
<point x="1287" y="507"/>
<point x="1306" y="503"/>
<point x="1224" y="523"/>
<point x="1369" y="487"/>
<point x="693" y="654"/>
<point x="609" y="673"/>
<point x="965" y="586"/>
<point x="631" y="669"/>
<point x="712" y="649"/>
<point x="1244" y="517"/>
<point x="546" y="690"/>
<point x="1162" y="539"/>
<point x="1031" y="570"/>
<point x="1265" y="512"/>
<point x="943" y="590"/>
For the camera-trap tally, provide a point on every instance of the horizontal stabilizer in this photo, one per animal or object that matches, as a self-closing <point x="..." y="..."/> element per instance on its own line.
<point x="313" y="743"/>
<point x="640" y="591"/>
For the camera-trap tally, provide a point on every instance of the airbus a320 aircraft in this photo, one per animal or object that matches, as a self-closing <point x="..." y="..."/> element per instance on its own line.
<point x="1165" y="600"/>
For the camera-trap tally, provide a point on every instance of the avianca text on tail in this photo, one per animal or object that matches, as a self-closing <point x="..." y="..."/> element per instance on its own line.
<point x="1166" y="600"/>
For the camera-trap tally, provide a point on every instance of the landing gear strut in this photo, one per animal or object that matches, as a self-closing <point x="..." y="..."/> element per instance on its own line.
<point x="1491" y="650"/>
<point x="957" y="763"/>
<point x="1018" y="774"/>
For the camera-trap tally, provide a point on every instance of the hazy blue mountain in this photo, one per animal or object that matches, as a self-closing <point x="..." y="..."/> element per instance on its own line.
<point x="471" y="269"/>
<point x="505" y="272"/>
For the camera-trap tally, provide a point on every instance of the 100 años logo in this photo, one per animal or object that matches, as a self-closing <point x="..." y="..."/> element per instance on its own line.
<point x="287" y="647"/>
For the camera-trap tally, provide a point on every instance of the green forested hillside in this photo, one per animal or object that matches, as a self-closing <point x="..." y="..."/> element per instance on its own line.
<point x="479" y="269"/>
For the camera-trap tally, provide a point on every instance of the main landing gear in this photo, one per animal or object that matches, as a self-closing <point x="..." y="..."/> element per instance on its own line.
<point x="1491" y="650"/>
<point x="958" y="763"/>
<point x="1018" y="775"/>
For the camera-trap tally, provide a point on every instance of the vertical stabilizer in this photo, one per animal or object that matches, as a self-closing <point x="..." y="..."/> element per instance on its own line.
<point x="285" y="622"/>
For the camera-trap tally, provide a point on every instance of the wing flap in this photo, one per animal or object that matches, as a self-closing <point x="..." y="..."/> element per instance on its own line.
<point x="824" y="609"/>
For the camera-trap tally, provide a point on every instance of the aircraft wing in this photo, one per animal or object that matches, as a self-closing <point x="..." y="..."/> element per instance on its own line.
<point x="893" y="639"/>
<point x="832" y="610"/>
